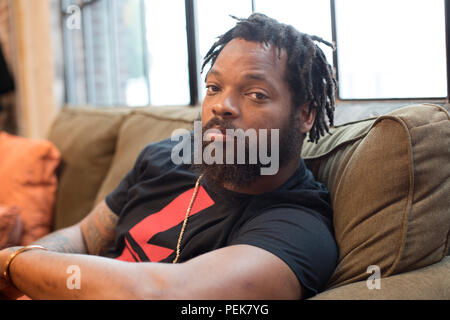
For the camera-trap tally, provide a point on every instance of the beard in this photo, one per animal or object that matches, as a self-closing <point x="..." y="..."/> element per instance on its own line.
<point x="240" y="175"/>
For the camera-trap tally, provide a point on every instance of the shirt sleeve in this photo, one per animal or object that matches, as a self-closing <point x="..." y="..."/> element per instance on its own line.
<point x="298" y="237"/>
<point x="117" y="199"/>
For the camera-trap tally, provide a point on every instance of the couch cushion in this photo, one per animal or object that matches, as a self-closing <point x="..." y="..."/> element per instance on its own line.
<point x="144" y="126"/>
<point x="428" y="283"/>
<point x="28" y="181"/>
<point x="87" y="140"/>
<point x="389" y="181"/>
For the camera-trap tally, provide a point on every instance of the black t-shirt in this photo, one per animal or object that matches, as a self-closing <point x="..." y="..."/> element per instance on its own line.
<point x="294" y="222"/>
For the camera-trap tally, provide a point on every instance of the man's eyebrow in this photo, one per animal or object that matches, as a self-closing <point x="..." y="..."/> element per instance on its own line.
<point x="249" y="76"/>
<point x="256" y="76"/>
<point x="214" y="72"/>
<point x="253" y="76"/>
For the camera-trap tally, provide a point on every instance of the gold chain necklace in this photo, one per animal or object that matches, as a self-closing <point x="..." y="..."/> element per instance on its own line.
<point x="188" y="211"/>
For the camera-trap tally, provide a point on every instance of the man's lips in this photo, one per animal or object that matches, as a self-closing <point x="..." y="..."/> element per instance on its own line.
<point x="216" y="134"/>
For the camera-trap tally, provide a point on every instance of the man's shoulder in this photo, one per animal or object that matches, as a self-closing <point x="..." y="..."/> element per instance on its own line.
<point x="160" y="150"/>
<point x="156" y="159"/>
<point x="313" y="197"/>
<point x="162" y="145"/>
<point x="295" y="205"/>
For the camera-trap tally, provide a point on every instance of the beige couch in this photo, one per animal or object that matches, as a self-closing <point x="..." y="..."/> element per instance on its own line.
<point x="389" y="180"/>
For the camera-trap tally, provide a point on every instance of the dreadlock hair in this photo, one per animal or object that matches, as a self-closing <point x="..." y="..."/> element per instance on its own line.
<point x="308" y="74"/>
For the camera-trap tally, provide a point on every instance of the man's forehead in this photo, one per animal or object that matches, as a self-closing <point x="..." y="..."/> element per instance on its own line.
<point x="254" y="48"/>
<point x="241" y="51"/>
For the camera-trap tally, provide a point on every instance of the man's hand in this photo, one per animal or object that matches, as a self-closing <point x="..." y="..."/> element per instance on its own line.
<point x="92" y="235"/>
<point x="7" y="289"/>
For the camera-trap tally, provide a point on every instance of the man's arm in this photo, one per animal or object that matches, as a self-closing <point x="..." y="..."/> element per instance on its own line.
<point x="92" y="235"/>
<point x="69" y="240"/>
<point x="98" y="229"/>
<point x="234" y="272"/>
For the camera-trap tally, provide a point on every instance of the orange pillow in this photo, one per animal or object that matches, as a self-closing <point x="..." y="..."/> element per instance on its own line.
<point x="10" y="227"/>
<point x="28" y="180"/>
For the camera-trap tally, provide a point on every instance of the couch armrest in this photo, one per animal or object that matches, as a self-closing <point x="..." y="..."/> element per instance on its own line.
<point x="429" y="283"/>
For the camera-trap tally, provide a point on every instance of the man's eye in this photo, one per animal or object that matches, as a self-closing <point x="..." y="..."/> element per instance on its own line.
<point x="258" y="96"/>
<point x="212" y="89"/>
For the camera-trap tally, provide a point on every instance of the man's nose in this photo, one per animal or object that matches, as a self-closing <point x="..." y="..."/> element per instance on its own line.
<point x="227" y="107"/>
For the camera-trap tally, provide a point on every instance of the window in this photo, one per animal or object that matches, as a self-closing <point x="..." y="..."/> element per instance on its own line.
<point x="214" y="20"/>
<point x="311" y="17"/>
<point x="167" y="52"/>
<point x="105" y="59"/>
<point x="127" y="52"/>
<point x="146" y="52"/>
<point x="74" y="64"/>
<point x="391" y="49"/>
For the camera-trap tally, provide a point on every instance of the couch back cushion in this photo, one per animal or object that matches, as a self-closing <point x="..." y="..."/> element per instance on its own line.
<point x="29" y="182"/>
<point x="144" y="126"/>
<point x="87" y="140"/>
<point x="389" y="180"/>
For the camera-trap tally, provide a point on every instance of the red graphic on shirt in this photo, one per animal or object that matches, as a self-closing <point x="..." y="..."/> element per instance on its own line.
<point x="128" y="253"/>
<point x="170" y="216"/>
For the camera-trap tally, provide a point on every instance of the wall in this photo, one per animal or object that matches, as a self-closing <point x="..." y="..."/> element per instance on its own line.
<point x="29" y="33"/>
<point x="34" y="66"/>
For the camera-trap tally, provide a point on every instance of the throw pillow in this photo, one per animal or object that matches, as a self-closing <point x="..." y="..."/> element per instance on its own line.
<point x="28" y="175"/>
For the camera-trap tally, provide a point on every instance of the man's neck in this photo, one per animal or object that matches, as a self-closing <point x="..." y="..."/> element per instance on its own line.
<point x="267" y="183"/>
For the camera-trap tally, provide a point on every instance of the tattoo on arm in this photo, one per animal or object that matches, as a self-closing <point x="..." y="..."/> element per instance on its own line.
<point x="93" y="235"/>
<point x="99" y="230"/>
<point x="66" y="241"/>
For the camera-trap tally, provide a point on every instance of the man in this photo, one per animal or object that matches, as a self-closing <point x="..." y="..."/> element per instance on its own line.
<point x="210" y="231"/>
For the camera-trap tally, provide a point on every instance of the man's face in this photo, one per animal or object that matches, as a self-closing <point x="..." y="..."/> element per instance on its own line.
<point x="247" y="89"/>
<point x="247" y="86"/>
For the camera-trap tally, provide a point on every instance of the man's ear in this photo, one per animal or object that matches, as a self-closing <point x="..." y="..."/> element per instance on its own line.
<point x="307" y="118"/>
